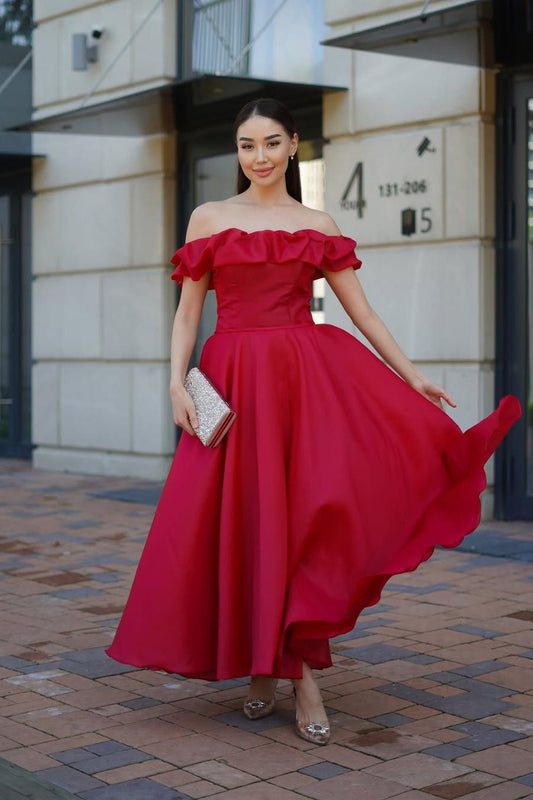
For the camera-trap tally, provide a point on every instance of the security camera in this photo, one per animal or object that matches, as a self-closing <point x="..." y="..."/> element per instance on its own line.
<point x="97" y="31"/>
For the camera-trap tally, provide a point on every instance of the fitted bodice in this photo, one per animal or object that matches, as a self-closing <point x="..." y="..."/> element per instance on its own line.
<point x="264" y="278"/>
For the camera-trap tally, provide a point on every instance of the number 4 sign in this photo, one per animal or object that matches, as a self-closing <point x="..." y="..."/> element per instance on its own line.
<point x="387" y="189"/>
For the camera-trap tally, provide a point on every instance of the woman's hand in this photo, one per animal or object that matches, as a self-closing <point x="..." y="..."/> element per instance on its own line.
<point x="183" y="410"/>
<point x="432" y="392"/>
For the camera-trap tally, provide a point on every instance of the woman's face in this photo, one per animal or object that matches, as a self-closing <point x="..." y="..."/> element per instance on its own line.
<point x="264" y="147"/>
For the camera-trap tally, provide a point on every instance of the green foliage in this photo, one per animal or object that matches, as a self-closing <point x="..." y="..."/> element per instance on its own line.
<point x="16" y="21"/>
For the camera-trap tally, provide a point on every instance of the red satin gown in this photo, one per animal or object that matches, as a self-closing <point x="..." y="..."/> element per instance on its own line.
<point x="335" y="476"/>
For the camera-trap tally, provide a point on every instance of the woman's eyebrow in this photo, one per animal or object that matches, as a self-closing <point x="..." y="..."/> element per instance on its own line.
<point x="248" y="139"/>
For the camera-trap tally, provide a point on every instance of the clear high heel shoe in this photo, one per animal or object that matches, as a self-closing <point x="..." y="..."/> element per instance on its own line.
<point x="314" y="732"/>
<point x="257" y="708"/>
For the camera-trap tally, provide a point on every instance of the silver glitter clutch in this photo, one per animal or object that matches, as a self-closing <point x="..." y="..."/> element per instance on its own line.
<point x="215" y="417"/>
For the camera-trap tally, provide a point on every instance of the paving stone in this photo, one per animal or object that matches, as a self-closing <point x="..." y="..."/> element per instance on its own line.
<point x="19" y="784"/>
<point x="326" y="769"/>
<point x="472" y="785"/>
<point x="92" y="663"/>
<point x="377" y="609"/>
<point x="481" y="687"/>
<point x="76" y="594"/>
<point x="112" y="761"/>
<point x="18" y="664"/>
<point x="70" y="778"/>
<point x="423" y="659"/>
<point x="391" y="720"/>
<point x="148" y="495"/>
<point x="139" y="789"/>
<point x="378" y="653"/>
<point x="484" y="633"/>
<point x="106" y="748"/>
<point x="83" y="523"/>
<point x="438" y="587"/>
<point x="222" y="774"/>
<point x="527" y="780"/>
<point x="504" y="760"/>
<point x="418" y="770"/>
<point x="106" y="577"/>
<point x="353" y="786"/>
<point x="484" y="667"/>
<point x="275" y="720"/>
<point x="71" y="756"/>
<point x="270" y="760"/>
<point x="447" y="751"/>
<point x="469" y="705"/>
<point x="140" y="702"/>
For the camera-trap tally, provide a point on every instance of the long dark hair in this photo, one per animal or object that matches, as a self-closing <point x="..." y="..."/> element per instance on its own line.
<point x="272" y="109"/>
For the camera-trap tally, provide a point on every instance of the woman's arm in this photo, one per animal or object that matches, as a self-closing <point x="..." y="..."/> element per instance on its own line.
<point x="184" y="334"/>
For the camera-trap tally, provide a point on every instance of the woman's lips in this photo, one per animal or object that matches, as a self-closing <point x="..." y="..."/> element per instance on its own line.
<point x="263" y="172"/>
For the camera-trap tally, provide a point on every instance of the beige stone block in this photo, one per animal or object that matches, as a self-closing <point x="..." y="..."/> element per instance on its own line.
<point x="116" y="20"/>
<point x="43" y="9"/>
<point x="137" y="314"/>
<point x="148" y="216"/>
<point x="390" y="90"/>
<point x="487" y="295"/>
<point x="70" y="159"/>
<point x="488" y="171"/>
<point x="46" y="64"/>
<point x="154" y="49"/>
<point x="66" y="317"/>
<point x="129" y="465"/>
<point x="45" y="233"/>
<point x="469" y="187"/>
<point x="152" y="425"/>
<point x="45" y="404"/>
<point x="95" y="406"/>
<point x="338" y="107"/>
<point x="431" y="298"/>
<point x="472" y="388"/>
<point x="124" y="156"/>
<point x="95" y="230"/>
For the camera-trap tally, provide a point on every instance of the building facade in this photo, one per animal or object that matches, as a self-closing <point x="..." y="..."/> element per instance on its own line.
<point x="405" y="112"/>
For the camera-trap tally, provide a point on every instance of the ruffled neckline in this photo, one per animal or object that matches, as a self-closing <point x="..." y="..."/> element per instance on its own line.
<point x="234" y="246"/>
<point x="270" y="231"/>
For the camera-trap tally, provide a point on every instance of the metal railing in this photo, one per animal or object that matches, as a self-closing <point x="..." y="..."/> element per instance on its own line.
<point x="221" y="32"/>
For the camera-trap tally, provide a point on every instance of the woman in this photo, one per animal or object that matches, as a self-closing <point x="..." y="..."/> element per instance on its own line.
<point x="338" y="472"/>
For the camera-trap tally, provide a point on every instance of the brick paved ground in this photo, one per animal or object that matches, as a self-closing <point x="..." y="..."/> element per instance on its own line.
<point x="431" y="695"/>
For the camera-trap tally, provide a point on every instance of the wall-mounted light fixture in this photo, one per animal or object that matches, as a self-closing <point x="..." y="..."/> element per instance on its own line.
<point x="85" y="48"/>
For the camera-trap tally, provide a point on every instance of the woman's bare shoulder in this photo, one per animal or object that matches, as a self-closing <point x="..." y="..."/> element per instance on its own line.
<point x="206" y="219"/>
<point x="321" y="221"/>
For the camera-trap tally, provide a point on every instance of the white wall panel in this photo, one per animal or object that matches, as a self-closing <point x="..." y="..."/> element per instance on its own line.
<point x="66" y="317"/>
<point x="137" y="308"/>
<point x="95" y="405"/>
<point x="45" y="404"/>
<point x="95" y="227"/>
<point x="152" y="425"/>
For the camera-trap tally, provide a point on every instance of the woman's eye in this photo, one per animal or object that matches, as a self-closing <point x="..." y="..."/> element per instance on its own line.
<point x="273" y="144"/>
<point x="246" y="147"/>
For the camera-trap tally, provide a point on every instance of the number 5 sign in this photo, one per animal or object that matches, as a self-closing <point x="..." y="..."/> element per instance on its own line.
<point x="389" y="188"/>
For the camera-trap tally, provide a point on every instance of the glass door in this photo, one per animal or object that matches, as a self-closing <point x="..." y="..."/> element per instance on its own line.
<point x="15" y="358"/>
<point x="515" y="297"/>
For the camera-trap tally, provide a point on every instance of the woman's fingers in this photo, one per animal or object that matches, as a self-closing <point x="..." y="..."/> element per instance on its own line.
<point x="449" y="400"/>
<point x="185" y="413"/>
